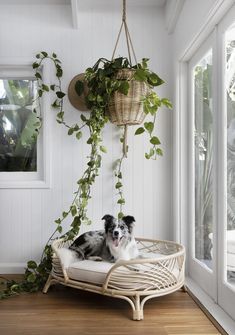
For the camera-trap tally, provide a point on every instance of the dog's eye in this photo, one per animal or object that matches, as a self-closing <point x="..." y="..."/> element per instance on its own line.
<point x="121" y="227"/>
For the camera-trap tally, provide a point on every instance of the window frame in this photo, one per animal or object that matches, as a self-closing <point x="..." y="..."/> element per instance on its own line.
<point x="18" y="68"/>
<point x="206" y="277"/>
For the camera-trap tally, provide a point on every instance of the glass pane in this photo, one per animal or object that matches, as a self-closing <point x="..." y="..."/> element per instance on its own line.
<point x="203" y="136"/>
<point x="18" y="149"/>
<point x="230" y="98"/>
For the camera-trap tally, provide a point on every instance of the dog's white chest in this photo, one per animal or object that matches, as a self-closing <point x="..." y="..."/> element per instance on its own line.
<point x="125" y="251"/>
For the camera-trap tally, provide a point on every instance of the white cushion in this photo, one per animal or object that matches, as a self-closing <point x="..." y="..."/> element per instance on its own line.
<point x="89" y="271"/>
<point x="95" y="272"/>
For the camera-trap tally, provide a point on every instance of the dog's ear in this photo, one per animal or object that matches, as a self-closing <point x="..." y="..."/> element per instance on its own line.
<point x="108" y="220"/>
<point x="129" y="222"/>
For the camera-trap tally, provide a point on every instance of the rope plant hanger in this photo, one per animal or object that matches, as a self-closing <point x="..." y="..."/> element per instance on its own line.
<point x="127" y="109"/>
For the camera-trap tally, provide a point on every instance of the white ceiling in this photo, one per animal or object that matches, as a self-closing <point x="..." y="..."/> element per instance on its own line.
<point x="159" y="3"/>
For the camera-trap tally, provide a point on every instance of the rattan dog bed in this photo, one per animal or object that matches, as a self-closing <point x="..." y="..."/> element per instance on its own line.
<point x="159" y="271"/>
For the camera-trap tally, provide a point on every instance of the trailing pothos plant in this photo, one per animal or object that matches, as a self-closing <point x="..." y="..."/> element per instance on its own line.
<point x="102" y="84"/>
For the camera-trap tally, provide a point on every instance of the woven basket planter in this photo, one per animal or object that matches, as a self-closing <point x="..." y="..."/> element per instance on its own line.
<point x="128" y="109"/>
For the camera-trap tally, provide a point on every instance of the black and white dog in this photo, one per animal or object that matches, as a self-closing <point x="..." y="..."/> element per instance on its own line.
<point x="115" y="242"/>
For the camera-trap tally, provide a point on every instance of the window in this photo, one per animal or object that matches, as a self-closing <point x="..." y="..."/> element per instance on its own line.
<point x="210" y="162"/>
<point x="230" y="109"/>
<point x="18" y="121"/>
<point x="24" y="156"/>
<point x="203" y="160"/>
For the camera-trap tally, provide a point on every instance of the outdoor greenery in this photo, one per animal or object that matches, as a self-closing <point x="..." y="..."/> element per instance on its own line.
<point x="203" y="159"/>
<point x="102" y="84"/>
<point x="19" y="121"/>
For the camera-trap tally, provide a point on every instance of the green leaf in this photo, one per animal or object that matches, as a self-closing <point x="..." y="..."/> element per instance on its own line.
<point x="83" y="118"/>
<point x="44" y="53"/>
<point x="145" y="63"/>
<point x="45" y="87"/>
<point x="76" y="222"/>
<point x="120" y="215"/>
<point x="79" y="87"/>
<point x="31" y="278"/>
<point x="119" y="175"/>
<point x="151" y="152"/>
<point x="124" y="87"/>
<point x="140" y="75"/>
<point x="55" y="104"/>
<point x="60" y="94"/>
<point x="103" y="149"/>
<point x="99" y="99"/>
<point x="35" y="65"/>
<point x="155" y="80"/>
<point x="121" y="201"/>
<point x="65" y="214"/>
<point x="32" y="265"/>
<point x="118" y="184"/>
<point x="38" y="75"/>
<point x="159" y="152"/>
<point x="59" y="72"/>
<point x="147" y="156"/>
<point x="167" y="103"/>
<point x="149" y="126"/>
<point x="139" y="131"/>
<point x="40" y="92"/>
<point x="52" y="87"/>
<point x="60" y="115"/>
<point x="58" y="221"/>
<point x="54" y="55"/>
<point x="155" y="140"/>
<point x="73" y="210"/>
<point x="79" y="135"/>
<point x="59" y="229"/>
<point x="70" y="131"/>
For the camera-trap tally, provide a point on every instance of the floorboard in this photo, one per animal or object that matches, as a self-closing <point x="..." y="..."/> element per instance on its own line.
<point x="65" y="311"/>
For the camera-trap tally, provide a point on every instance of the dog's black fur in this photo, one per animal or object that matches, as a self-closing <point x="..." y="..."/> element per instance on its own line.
<point x="114" y="242"/>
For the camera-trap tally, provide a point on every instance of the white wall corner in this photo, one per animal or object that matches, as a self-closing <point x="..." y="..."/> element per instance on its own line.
<point x="74" y="9"/>
<point x="172" y="12"/>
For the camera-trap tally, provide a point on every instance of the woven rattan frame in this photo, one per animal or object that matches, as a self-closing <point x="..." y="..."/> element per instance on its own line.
<point x="128" y="109"/>
<point x="135" y="281"/>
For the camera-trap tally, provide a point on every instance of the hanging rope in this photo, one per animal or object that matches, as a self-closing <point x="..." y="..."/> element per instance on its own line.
<point x="130" y="49"/>
<point x="127" y="34"/>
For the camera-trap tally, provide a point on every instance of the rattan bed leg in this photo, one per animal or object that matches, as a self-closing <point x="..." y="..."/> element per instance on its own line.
<point x="48" y="284"/>
<point x="184" y="288"/>
<point x="138" y="313"/>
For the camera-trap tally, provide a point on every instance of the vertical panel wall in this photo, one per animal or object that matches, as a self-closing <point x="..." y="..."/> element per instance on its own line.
<point x="27" y="215"/>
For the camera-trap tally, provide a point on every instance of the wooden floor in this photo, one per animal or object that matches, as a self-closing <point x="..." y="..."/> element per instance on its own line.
<point x="69" y="311"/>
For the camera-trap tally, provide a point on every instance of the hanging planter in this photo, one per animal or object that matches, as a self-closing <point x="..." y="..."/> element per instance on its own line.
<point x="128" y="109"/>
<point x="125" y="110"/>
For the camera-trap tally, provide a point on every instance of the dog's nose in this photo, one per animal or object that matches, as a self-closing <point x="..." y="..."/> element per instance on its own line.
<point x="116" y="233"/>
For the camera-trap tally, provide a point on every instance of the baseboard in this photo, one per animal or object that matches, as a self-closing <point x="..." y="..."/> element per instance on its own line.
<point x="212" y="309"/>
<point x="12" y="268"/>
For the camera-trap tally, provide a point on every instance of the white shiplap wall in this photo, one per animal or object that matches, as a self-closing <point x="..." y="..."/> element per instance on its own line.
<point x="27" y="215"/>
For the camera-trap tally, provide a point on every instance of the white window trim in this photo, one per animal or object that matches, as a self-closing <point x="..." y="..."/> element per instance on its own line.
<point x="17" y="67"/>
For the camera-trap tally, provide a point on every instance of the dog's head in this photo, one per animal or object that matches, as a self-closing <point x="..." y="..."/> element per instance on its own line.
<point x="118" y="230"/>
